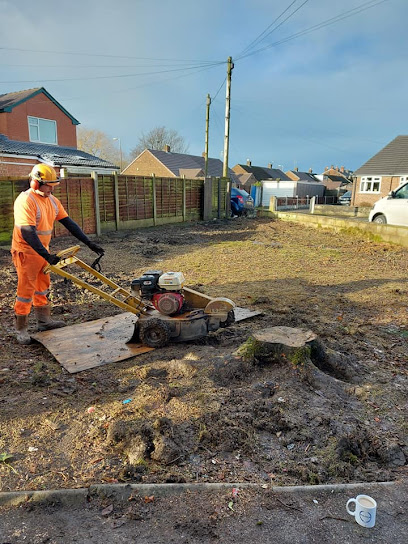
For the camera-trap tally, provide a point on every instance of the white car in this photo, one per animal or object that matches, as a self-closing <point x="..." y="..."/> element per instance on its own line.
<point x="392" y="209"/>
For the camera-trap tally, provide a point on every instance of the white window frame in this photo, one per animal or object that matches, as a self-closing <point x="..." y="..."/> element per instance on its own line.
<point x="369" y="184"/>
<point x="35" y="122"/>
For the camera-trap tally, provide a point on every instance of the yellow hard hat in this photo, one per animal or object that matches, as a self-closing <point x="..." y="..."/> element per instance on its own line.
<point x="44" y="174"/>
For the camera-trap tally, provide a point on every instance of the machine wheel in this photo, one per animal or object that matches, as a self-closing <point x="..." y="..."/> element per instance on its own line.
<point x="230" y="319"/>
<point x="380" y="219"/>
<point x="154" y="333"/>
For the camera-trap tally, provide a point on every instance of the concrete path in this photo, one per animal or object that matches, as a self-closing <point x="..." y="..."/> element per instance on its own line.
<point x="201" y="513"/>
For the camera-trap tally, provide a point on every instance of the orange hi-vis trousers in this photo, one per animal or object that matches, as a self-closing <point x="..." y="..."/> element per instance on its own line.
<point x="33" y="285"/>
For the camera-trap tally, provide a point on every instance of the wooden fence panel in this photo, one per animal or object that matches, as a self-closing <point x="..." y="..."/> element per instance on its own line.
<point x="135" y="198"/>
<point x="169" y="197"/>
<point x="106" y="187"/>
<point x="194" y="197"/>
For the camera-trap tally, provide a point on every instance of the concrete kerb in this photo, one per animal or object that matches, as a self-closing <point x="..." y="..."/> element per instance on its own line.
<point x="122" y="492"/>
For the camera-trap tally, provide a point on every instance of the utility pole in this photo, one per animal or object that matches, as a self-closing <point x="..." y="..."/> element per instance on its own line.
<point x="207" y="128"/>
<point x="230" y="67"/>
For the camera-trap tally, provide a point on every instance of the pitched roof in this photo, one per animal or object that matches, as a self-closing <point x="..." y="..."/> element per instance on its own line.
<point x="55" y="154"/>
<point x="262" y="173"/>
<point x="305" y="176"/>
<point x="177" y="162"/>
<point x="392" y="160"/>
<point x="11" y="100"/>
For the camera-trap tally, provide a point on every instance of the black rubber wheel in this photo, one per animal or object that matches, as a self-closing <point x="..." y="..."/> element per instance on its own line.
<point x="154" y="333"/>
<point x="380" y="219"/>
<point x="230" y="319"/>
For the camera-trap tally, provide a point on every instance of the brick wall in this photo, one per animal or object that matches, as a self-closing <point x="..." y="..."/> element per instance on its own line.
<point x="146" y="165"/>
<point x="10" y="166"/>
<point x="388" y="183"/>
<point x="14" y="124"/>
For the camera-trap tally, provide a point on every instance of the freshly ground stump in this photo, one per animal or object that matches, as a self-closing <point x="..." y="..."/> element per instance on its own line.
<point x="281" y="344"/>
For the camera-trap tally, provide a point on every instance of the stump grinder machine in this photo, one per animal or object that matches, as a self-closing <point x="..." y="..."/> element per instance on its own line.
<point x="165" y="308"/>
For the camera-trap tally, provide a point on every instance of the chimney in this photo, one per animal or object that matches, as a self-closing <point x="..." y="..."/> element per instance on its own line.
<point x="166" y="148"/>
<point x="249" y="163"/>
<point x="296" y="169"/>
<point x="332" y="167"/>
<point x="270" y="165"/>
<point x="342" y="169"/>
<point x="203" y="154"/>
<point x="310" y="170"/>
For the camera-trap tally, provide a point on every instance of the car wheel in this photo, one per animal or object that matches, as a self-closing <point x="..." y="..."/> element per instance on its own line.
<point x="380" y="219"/>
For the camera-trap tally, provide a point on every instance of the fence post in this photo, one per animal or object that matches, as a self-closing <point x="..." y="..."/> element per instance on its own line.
<point x="116" y="197"/>
<point x="94" y="176"/>
<point x="184" y="203"/>
<point x="312" y="204"/>
<point x="154" y="202"/>
<point x="207" y="200"/>
<point x="273" y="204"/>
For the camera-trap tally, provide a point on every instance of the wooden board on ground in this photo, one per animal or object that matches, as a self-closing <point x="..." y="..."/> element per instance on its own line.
<point x="244" y="313"/>
<point x="96" y="343"/>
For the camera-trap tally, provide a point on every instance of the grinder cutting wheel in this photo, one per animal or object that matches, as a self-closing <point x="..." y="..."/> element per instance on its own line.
<point x="166" y="308"/>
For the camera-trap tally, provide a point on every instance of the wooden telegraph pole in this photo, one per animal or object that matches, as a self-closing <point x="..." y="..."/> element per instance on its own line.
<point x="230" y="67"/>
<point x="207" y="128"/>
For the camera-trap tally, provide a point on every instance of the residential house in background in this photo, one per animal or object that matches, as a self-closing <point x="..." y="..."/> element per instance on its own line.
<point x="383" y="173"/>
<point x="261" y="173"/>
<point x="337" y="180"/>
<point x="296" y="175"/>
<point x="35" y="128"/>
<point x="275" y="182"/>
<point x="174" y="165"/>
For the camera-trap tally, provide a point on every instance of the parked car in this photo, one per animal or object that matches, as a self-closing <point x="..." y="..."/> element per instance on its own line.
<point x="241" y="202"/>
<point x="392" y="209"/>
<point x="345" y="199"/>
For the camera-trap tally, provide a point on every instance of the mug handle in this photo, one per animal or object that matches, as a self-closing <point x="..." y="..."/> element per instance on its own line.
<point x="347" y="507"/>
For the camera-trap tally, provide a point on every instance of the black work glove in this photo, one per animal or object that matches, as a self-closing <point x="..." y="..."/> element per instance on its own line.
<point x="52" y="259"/>
<point x="97" y="249"/>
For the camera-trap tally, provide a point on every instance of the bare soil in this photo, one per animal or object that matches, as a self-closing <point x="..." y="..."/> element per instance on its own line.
<point x="205" y="411"/>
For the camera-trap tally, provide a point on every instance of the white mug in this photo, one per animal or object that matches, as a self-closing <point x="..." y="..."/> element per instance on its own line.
<point x="365" y="510"/>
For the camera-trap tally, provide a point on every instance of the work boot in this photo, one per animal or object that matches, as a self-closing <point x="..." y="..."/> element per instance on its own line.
<point x="21" y="326"/>
<point x="44" y="321"/>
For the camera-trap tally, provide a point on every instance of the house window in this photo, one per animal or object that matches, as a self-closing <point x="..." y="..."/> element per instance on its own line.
<point x="403" y="179"/>
<point x="42" y="130"/>
<point x="370" y="184"/>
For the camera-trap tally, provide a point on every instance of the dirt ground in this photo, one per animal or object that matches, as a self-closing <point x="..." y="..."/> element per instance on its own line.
<point x="202" y="411"/>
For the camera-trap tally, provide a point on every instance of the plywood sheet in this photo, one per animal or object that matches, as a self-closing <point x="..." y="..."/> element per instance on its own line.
<point x="95" y="343"/>
<point x="244" y="313"/>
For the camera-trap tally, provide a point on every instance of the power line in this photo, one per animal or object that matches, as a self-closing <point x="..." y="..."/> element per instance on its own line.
<point x="265" y="33"/>
<point x="327" y="22"/>
<point x="198" y="68"/>
<point x="83" y="54"/>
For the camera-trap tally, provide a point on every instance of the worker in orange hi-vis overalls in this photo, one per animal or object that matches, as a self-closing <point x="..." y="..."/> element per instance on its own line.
<point x="35" y="212"/>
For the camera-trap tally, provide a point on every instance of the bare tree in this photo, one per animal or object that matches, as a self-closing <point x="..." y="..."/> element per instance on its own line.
<point x="159" y="137"/>
<point x="100" y="144"/>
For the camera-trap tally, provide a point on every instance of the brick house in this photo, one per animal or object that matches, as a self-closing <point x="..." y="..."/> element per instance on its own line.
<point x="383" y="173"/>
<point x="261" y="173"/>
<point x="35" y="128"/>
<point x="173" y="165"/>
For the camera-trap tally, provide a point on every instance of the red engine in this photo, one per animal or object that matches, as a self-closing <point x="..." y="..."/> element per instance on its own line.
<point x="168" y="303"/>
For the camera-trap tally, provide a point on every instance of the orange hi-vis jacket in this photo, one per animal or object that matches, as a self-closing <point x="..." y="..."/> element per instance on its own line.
<point x="38" y="211"/>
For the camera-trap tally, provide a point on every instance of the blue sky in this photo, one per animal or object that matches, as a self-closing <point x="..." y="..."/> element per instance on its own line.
<point x="335" y="95"/>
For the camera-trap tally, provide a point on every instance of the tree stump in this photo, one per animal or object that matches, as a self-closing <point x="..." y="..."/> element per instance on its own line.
<point x="281" y="344"/>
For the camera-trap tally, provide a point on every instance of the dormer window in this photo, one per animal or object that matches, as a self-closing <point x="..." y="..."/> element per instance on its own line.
<point x="43" y="131"/>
